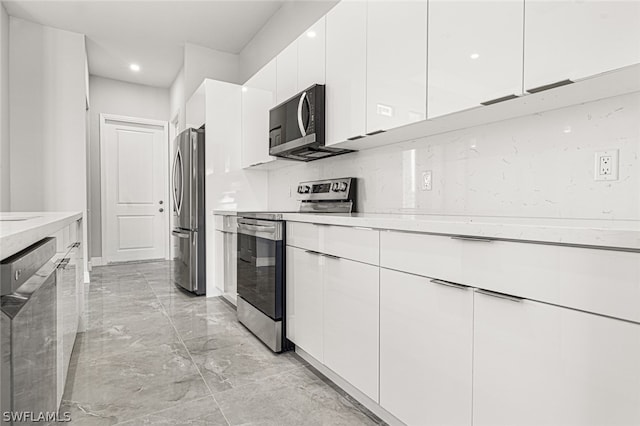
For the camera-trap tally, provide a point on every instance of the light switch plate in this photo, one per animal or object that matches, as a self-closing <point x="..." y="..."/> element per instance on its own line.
<point x="606" y="165"/>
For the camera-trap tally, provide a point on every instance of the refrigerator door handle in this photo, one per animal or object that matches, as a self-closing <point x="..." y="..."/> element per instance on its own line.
<point x="180" y="234"/>
<point x="178" y="202"/>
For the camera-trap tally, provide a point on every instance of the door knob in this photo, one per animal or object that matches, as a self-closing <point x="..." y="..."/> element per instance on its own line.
<point x="160" y="202"/>
<point x="160" y="209"/>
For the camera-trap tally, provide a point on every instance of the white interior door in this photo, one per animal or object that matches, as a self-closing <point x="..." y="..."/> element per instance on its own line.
<point x="134" y="189"/>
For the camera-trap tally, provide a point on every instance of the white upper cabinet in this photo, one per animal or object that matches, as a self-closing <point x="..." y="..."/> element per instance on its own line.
<point x="311" y="56"/>
<point x="475" y="53"/>
<point x="396" y="63"/>
<point x="346" y="70"/>
<point x="287" y="73"/>
<point x="258" y="97"/>
<point x="575" y="39"/>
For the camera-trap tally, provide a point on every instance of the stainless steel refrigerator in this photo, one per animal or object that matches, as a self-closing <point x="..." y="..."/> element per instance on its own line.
<point x="188" y="181"/>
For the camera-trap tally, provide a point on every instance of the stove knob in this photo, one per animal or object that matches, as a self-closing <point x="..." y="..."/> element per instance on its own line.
<point x="306" y="189"/>
<point x="299" y="189"/>
<point x="335" y="187"/>
<point x="343" y="186"/>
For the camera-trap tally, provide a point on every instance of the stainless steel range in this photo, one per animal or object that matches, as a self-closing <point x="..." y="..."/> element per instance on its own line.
<point x="261" y="258"/>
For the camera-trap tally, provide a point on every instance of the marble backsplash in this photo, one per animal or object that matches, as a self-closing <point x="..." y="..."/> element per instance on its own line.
<point x="535" y="166"/>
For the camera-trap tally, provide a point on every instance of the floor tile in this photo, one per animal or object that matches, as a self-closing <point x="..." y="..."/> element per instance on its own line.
<point x="154" y="354"/>
<point x="293" y="398"/>
<point x="134" y="383"/>
<point x="199" y="412"/>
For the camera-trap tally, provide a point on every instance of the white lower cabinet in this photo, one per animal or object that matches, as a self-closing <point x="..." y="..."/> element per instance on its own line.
<point x="351" y="315"/>
<point x="426" y="337"/>
<point x="69" y="297"/>
<point x="304" y="300"/>
<point x="538" y="364"/>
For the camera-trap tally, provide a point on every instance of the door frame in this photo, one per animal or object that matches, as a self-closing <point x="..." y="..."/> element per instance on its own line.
<point x="103" y="177"/>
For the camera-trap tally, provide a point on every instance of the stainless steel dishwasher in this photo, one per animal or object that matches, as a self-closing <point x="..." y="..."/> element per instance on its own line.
<point x="28" y="331"/>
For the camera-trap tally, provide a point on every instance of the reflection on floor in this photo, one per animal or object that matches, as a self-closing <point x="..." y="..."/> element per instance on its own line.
<point x="155" y="355"/>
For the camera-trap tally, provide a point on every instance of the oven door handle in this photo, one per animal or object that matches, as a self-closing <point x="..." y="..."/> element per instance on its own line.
<point x="260" y="228"/>
<point x="269" y="232"/>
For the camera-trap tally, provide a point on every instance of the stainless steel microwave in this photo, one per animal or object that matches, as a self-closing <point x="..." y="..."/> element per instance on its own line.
<point x="297" y="127"/>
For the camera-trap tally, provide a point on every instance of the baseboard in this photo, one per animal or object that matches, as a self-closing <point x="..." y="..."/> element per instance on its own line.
<point x="232" y="299"/>
<point x="96" y="261"/>
<point x="214" y="292"/>
<point x="363" y="399"/>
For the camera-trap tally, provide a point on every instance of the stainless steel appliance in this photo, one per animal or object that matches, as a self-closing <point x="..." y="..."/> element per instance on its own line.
<point x="261" y="258"/>
<point x="188" y="189"/>
<point x="28" y="329"/>
<point x="297" y="127"/>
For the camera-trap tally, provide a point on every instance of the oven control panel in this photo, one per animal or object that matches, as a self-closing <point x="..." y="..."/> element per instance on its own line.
<point x="330" y="189"/>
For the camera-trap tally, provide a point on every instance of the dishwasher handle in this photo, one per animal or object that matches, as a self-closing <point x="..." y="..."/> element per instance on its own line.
<point x="17" y="269"/>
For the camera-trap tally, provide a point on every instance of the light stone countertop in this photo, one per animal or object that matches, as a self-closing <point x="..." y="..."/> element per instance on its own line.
<point x="225" y="212"/>
<point x="16" y="235"/>
<point x="609" y="234"/>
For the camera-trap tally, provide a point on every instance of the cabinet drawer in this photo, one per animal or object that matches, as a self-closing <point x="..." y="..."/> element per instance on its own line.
<point x="303" y="235"/>
<point x="360" y="244"/>
<point x="601" y="281"/>
<point x="606" y="282"/>
<point x="432" y="256"/>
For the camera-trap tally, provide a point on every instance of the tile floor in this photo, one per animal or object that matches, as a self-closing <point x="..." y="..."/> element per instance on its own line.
<point x="154" y="355"/>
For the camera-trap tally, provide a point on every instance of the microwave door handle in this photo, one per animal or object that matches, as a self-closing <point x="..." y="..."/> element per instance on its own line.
<point x="301" y="126"/>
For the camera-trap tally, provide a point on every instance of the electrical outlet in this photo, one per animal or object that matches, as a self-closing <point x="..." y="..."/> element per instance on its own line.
<point x="425" y="184"/>
<point x="606" y="165"/>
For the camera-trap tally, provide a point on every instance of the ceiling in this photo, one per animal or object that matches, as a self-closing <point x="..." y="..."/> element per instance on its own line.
<point x="150" y="33"/>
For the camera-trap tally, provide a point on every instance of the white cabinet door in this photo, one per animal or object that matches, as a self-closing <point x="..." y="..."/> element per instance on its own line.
<point x="311" y="56"/>
<point x="574" y="39"/>
<point x="258" y="97"/>
<point x="475" y="53"/>
<point x="218" y="262"/>
<point x="351" y="320"/>
<point x="426" y="337"/>
<point x="287" y="73"/>
<point x="304" y="300"/>
<point x="396" y="63"/>
<point x="196" y="108"/>
<point x="538" y="364"/>
<point x="346" y="71"/>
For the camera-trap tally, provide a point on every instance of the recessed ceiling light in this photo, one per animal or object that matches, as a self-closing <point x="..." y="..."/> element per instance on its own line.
<point x="134" y="67"/>
<point x="311" y="34"/>
<point x="474" y="56"/>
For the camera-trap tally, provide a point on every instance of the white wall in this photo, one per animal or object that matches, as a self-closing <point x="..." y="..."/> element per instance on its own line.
<point x="119" y="98"/>
<point x="536" y="166"/>
<point x="291" y="20"/>
<point x="202" y="62"/>
<point x="177" y="102"/>
<point x="47" y="118"/>
<point x="5" y="175"/>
